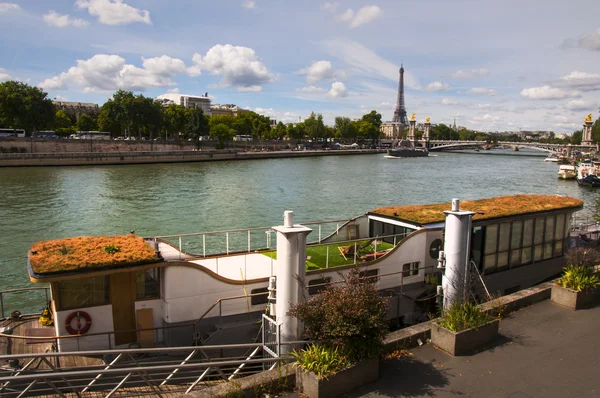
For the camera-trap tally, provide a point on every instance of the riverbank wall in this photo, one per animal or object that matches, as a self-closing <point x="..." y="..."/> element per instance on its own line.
<point x="124" y="158"/>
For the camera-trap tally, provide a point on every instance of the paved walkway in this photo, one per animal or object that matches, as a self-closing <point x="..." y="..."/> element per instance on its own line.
<point x="544" y="351"/>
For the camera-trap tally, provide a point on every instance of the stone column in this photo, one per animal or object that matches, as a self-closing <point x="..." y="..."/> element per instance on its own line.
<point x="426" y="131"/>
<point x="291" y="275"/>
<point x="586" y="138"/>
<point x="411" y="132"/>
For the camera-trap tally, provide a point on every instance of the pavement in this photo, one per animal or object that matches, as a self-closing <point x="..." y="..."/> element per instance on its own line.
<point x="543" y="351"/>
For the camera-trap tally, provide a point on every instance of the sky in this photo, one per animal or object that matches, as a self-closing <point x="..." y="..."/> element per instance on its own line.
<point x="490" y="65"/>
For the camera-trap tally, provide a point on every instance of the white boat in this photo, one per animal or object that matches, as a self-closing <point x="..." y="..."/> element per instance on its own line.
<point x="567" y="172"/>
<point x="190" y="295"/>
<point x="588" y="173"/>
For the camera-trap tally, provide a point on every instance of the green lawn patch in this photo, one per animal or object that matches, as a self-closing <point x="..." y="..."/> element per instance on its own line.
<point x="317" y="255"/>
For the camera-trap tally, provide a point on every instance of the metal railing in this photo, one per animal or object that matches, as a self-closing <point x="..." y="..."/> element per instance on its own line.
<point x="133" y="372"/>
<point x="13" y="292"/>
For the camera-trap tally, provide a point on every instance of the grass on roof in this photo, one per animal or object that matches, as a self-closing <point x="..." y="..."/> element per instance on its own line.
<point x="503" y="206"/>
<point x="318" y="254"/>
<point x="88" y="252"/>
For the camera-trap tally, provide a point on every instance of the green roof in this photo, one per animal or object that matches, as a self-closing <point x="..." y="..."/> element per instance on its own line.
<point x="502" y="206"/>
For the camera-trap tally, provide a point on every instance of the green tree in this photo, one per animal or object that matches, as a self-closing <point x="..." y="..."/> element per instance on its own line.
<point x="222" y="133"/>
<point x="108" y="119"/>
<point x="280" y="130"/>
<point x="62" y="124"/>
<point x="86" y="123"/>
<point x="576" y="137"/>
<point x="596" y="131"/>
<point x="175" y="119"/>
<point x="197" y="123"/>
<point x="25" y="107"/>
<point x="346" y="128"/>
<point x="374" y="118"/>
<point x="443" y="132"/>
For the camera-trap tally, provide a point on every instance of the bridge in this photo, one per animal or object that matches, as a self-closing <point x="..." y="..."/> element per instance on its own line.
<point x="440" y="145"/>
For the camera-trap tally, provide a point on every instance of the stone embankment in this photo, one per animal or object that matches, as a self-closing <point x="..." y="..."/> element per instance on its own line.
<point x="26" y="152"/>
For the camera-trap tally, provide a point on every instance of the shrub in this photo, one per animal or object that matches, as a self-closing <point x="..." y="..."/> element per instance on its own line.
<point x="461" y="316"/>
<point x="350" y="316"/>
<point x="582" y="256"/>
<point x="579" y="278"/>
<point x="321" y="359"/>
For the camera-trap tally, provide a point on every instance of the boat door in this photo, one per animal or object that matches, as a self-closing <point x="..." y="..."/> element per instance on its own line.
<point x="122" y="297"/>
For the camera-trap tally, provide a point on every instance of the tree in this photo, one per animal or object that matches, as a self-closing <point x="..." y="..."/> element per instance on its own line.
<point x="374" y="118"/>
<point x="25" y="107"/>
<point x="280" y="131"/>
<point x="576" y="137"/>
<point x="345" y="128"/>
<point x="443" y="132"/>
<point x="86" y="123"/>
<point x="222" y="133"/>
<point x="197" y="123"/>
<point x="175" y="119"/>
<point x="108" y="119"/>
<point x="596" y="131"/>
<point x="62" y="124"/>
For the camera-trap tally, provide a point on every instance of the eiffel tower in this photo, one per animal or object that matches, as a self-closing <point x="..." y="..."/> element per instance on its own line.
<point x="400" y="112"/>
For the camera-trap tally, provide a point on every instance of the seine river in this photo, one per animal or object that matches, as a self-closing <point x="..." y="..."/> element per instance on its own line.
<point x="162" y="199"/>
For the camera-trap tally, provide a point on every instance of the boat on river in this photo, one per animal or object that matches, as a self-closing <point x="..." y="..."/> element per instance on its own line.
<point x="407" y="149"/>
<point x="567" y="172"/>
<point x="193" y="289"/>
<point x="588" y="173"/>
<point x="557" y="159"/>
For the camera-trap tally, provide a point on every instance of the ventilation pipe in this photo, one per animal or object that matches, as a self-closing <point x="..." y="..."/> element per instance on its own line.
<point x="290" y="276"/>
<point x="455" y="258"/>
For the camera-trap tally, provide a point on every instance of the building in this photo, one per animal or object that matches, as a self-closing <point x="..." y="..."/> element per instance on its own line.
<point x="187" y="101"/>
<point x="226" y="109"/>
<point x="77" y="108"/>
<point x="392" y="130"/>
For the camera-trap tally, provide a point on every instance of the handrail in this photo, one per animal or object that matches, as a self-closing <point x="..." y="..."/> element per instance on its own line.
<point x="20" y="290"/>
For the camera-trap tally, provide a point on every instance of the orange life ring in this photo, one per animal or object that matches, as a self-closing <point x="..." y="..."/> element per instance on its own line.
<point x="80" y="329"/>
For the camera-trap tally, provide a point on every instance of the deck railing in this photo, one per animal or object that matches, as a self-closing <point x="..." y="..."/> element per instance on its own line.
<point x="6" y="313"/>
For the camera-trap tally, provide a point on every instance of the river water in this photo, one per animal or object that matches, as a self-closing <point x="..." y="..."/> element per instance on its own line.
<point x="163" y="199"/>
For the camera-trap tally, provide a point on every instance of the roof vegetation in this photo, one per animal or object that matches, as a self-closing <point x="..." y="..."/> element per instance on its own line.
<point x="89" y="252"/>
<point x="502" y="206"/>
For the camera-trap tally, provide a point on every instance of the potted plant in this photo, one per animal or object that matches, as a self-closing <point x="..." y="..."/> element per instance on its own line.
<point x="578" y="285"/>
<point x="348" y="323"/>
<point x="464" y="328"/>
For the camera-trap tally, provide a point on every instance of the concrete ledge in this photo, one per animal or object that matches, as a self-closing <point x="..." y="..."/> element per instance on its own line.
<point x="518" y="300"/>
<point x="280" y="379"/>
<point x="407" y="337"/>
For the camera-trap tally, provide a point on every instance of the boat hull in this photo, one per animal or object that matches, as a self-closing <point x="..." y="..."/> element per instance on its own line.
<point x="407" y="153"/>
<point x="591" y="180"/>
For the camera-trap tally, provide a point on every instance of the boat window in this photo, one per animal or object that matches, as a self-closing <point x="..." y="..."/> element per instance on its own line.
<point x="527" y="233"/>
<point x="547" y="251"/>
<point x="558" y="248"/>
<point x="489" y="263"/>
<point x="434" y="248"/>
<point x="477" y="246"/>
<point x="491" y="239"/>
<point x="147" y="284"/>
<point x="515" y="258"/>
<point x="549" y="235"/>
<point x="410" y="269"/>
<point x="538" y="236"/>
<point x="502" y="261"/>
<point x="560" y="227"/>
<point x="504" y="237"/>
<point x="376" y="228"/>
<point x="262" y="299"/>
<point x="537" y="253"/>
<point x="526" y="255"/>
<point x="84" y="292"/>
<point x="369" y="274"/>
<point x="317" y="285"/>
<point x="516" y="234"/>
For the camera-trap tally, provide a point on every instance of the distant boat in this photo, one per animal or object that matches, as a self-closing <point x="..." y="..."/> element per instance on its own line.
<point x="567" y="172"/>
<point x="408" y="153"/>
<point x="558" y="159"/>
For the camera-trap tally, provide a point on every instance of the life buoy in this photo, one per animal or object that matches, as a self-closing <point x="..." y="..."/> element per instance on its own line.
<point x="80" y="329"/>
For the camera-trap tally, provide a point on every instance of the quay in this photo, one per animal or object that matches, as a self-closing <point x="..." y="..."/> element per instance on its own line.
<point x="143" y="157"/>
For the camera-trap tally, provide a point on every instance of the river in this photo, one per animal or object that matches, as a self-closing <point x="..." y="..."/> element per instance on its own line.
<point x="161" y="199"/>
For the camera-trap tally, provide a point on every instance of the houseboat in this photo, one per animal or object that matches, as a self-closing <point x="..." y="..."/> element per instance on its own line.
<point x="588" y="173"/>
<point x="567" y="172"/>
<point x="114" y="292"/>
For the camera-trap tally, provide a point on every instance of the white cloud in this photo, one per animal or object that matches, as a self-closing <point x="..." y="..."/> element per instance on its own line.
<point x="311" y="89"/>
<point x="239" y="66"/>
<point x="438" y="86"/>
<point x="114" y="12"/>
<point x="249" y="4"/>
<point x="363" y="16"/>
<point x="447" y="101"/>
<point x="338" y="90"/>
<point x="331" y="7"/>
<point x="579" y="80"/>
<point x="173" y="90"/>
<point x="482" y="91"/>
<point x="4" y="75"/>
<point x="546" y="93"/>
<point x="466" y="74"/>
<point x="53" y="18"/>
<point x="319" y="70"/>
<point x="7" y="7"/>
<point x="366" y="61"/>
<point x="60" y="98"/>
<point x="590" y="41"/>
<point x="580" y="105"/>
<point x="560" y="118"/>
<point x="105" y="73"/>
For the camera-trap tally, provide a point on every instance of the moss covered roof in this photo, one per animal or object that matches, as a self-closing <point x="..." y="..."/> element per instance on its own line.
<point x="90" y="252"/>
<point x="503" y="206"/>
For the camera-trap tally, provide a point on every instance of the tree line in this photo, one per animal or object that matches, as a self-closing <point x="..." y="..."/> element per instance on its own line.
<point x="127" y="115"/>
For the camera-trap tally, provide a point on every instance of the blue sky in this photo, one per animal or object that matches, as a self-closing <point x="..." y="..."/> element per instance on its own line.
<point x="492" y="65"/>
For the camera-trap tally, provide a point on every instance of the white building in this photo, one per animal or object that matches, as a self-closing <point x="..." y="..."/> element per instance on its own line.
<point x="187" y="101"/>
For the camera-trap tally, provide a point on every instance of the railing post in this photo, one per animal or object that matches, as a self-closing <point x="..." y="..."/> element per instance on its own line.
<point x="2" y="304"/>
<point x="249" y="248"/>
<point x="203" y="245"/>
<point x="180" y="247"/>
<point x="327" y="257"/>
<point x="227" y="242"/>
<point x="319" y="233"/>
<point x="355" y="253"/>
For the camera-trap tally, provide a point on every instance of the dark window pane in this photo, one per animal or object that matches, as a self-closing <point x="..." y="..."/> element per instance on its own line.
<point x="262" y="299"/>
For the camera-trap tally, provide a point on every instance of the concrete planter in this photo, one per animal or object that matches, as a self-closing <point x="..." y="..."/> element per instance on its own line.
<point x="347" y="380"/>
<point x="573" y="299"/>
<point x="465" y="341"/>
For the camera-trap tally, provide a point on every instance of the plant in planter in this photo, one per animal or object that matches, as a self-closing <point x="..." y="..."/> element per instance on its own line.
<point x="463" y="329"/>
<point x="578" y="285"/>
<point x="348" y="322"/>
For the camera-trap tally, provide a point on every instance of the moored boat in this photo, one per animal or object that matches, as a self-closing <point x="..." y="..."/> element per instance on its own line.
<point x="408" y="152"/>
<point x="588" y="172"/>
<point x="567" y="172"/>
<point x="174" y="291"/>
